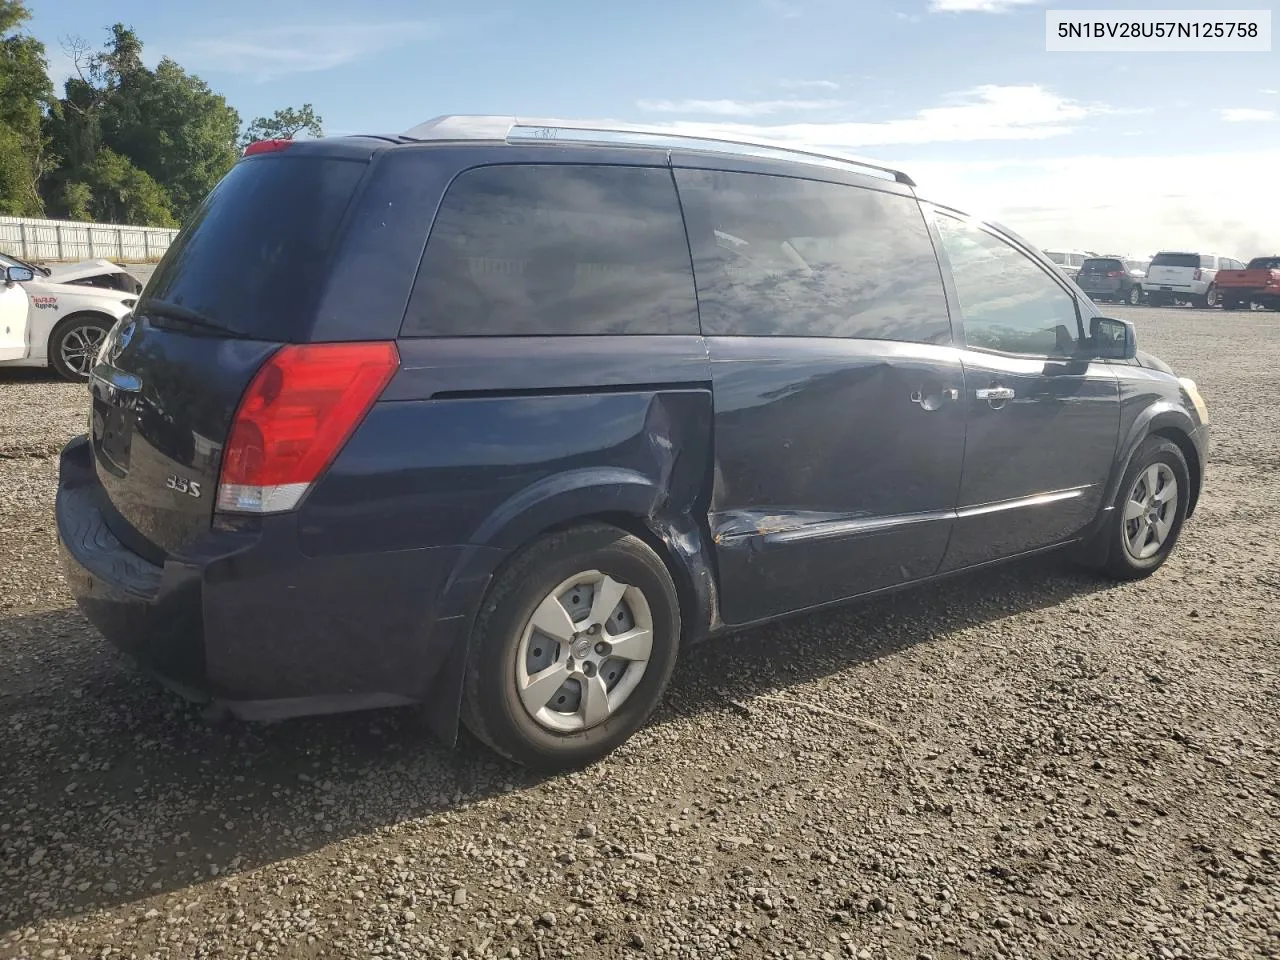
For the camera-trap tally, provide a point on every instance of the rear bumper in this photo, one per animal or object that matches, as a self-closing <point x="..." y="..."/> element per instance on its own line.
<point x="245" y="619"/>
<point x="1192" y="289"/>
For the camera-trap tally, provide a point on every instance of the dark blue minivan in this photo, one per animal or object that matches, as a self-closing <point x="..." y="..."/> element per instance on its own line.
<point x="491" y="417"/>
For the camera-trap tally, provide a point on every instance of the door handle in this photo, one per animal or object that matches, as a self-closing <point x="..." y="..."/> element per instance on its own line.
<point x="933" y="402"/>
<point x="995" y="393"/>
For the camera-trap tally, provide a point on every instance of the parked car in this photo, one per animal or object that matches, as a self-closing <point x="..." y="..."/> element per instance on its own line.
<point x="59" y="316"/>
<point x="1179" y="277"/>
<point x="639" y="390"/>
<point x="1068" y="261"/>
<point x="1109" y="278"/>
<point x="1258" y="283"/>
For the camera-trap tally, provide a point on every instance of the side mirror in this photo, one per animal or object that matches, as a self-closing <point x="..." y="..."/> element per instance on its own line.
<point x="1111" y="339"/>
<point x="17" y="274"/>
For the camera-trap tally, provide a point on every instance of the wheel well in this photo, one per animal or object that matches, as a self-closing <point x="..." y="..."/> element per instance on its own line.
<point x="1193" y="461"/>
<point x="635" y="525"/>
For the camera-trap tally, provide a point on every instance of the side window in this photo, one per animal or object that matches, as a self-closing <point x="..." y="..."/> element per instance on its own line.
<point x="780" y="256"/>
<point x="1007" y="301"/>
<point x="540" y="249"/>
<point x="1207" y="262"/>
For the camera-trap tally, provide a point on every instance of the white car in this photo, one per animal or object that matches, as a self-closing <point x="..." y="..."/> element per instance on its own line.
<point x="1180" y="277"/>
<point x="58" y="316"/>
<point x="1069" y="261"/>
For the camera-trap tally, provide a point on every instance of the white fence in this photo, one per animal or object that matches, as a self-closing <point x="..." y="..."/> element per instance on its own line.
<point x="38" y="240"/>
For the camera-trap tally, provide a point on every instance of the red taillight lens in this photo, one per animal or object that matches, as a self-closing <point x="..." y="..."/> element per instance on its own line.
<point x="1196" y="276"/>
<point x="266" y="146"/>
<point x="297" y="413"/>
<point x="1116" y="273"/>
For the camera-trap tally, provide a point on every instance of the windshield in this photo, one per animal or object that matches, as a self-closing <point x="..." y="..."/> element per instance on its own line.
<point x="253" y="259"/>
<point x="1058" y="258"/>
<point x="11" y="261"/>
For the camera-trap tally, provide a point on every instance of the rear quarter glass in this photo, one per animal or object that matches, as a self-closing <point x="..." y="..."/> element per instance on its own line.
<point x="255" y="257"/>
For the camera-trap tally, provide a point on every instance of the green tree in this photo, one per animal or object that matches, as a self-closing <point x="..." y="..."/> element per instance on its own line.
<point x="121" y="193"/>
<point x="25" y="95"/>
<point x="284" y="124"/>
<point x="164" y="123"/>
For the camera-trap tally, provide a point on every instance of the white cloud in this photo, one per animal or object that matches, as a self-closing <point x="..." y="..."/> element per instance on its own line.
<point x="979" y="6"/>
<point x="304" y="48"/>
<point x="1247" y="115"/>
<point x="907" y="17"/>
<point x="1136" y="204"/>
<point x="809" y="84"/>
<point x="1269" y="91"/>
<point x="733" y="108"/>
<point x="986" y="113"/>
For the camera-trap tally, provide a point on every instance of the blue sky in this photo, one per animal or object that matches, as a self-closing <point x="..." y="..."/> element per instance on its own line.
<point x="1123" y="151"/>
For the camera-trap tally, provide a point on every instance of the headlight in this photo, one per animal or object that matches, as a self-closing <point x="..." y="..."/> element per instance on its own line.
<point x="1197" y="401"/>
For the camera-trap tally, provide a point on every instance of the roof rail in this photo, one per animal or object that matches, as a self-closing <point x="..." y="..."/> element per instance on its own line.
<point x="519" y="130"/>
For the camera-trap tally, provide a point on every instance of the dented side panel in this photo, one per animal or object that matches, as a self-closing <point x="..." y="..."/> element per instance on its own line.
<point x="837" y="468"/>
<point x="482" y="444"/>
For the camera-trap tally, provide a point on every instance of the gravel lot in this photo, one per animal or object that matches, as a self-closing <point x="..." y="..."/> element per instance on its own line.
<point x="1027" y="762"/>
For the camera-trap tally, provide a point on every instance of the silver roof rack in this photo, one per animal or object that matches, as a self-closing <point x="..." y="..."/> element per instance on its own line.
<point x="608" y="133"/>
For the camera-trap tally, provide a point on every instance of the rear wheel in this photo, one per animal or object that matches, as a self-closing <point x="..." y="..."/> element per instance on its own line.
<point x="74" y="344"/>
<point x="1135" y="296"/>
<point x="1152" y="503"/>
<point x="573" y="648"/>
<point x="1209" y="299"/>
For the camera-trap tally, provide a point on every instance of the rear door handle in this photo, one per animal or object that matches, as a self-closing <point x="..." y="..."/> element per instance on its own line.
<point x="995" y="393"/>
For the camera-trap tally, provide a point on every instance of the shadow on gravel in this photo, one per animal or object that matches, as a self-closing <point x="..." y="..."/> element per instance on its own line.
<point x="28" y="375"/>
<point x="111" y="790"/>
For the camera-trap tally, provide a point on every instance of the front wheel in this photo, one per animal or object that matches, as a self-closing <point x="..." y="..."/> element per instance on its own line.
<point x="74" y="344"/>
<point x="1150" y="508"/>
<point x="573" y="648"/>
<point x="1209" y="299"/>
<point x="1135" y="296"/>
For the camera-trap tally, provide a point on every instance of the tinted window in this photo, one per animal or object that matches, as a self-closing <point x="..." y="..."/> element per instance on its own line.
<point x="1264" y="263"/>
<point x="1101" y="265"/>
<point x="255" y="255"/>
<point x="1176" y="260"/>
<point x="778" y="256"/>
<point x="1007" y="301"/>
<point x="528" y="250"/>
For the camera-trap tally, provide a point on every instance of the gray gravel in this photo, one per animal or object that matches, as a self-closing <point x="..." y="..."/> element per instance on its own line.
<point x="1026" y="762"/>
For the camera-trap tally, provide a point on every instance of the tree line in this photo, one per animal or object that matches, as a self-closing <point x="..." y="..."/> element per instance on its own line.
<point x="123" y="143"/>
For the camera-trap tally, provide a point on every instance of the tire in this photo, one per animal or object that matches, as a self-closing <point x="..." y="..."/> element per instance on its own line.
<point x="1117" y="557"/>
<point x="565" y="730"/>
<point x="74" y="342"/>
<point x="1134" y="298"/>
<point x="1209" y="299"/>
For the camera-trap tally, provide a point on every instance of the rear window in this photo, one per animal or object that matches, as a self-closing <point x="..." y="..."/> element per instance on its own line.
<point x="1176" y="260"/>
<point x="254" y="256"/>
<point x="1101" y="265"/>
<point x="1264" y="263"/>
<point x="538" y="250"/>
<point x="1059" y="258"/>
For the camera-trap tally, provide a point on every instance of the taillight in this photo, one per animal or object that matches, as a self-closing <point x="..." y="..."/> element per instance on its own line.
<point x="1116" y="273"/>
<point x="297" y="413"/>
<point x="1196" y="275"/>
<point x="266" y="146"/>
